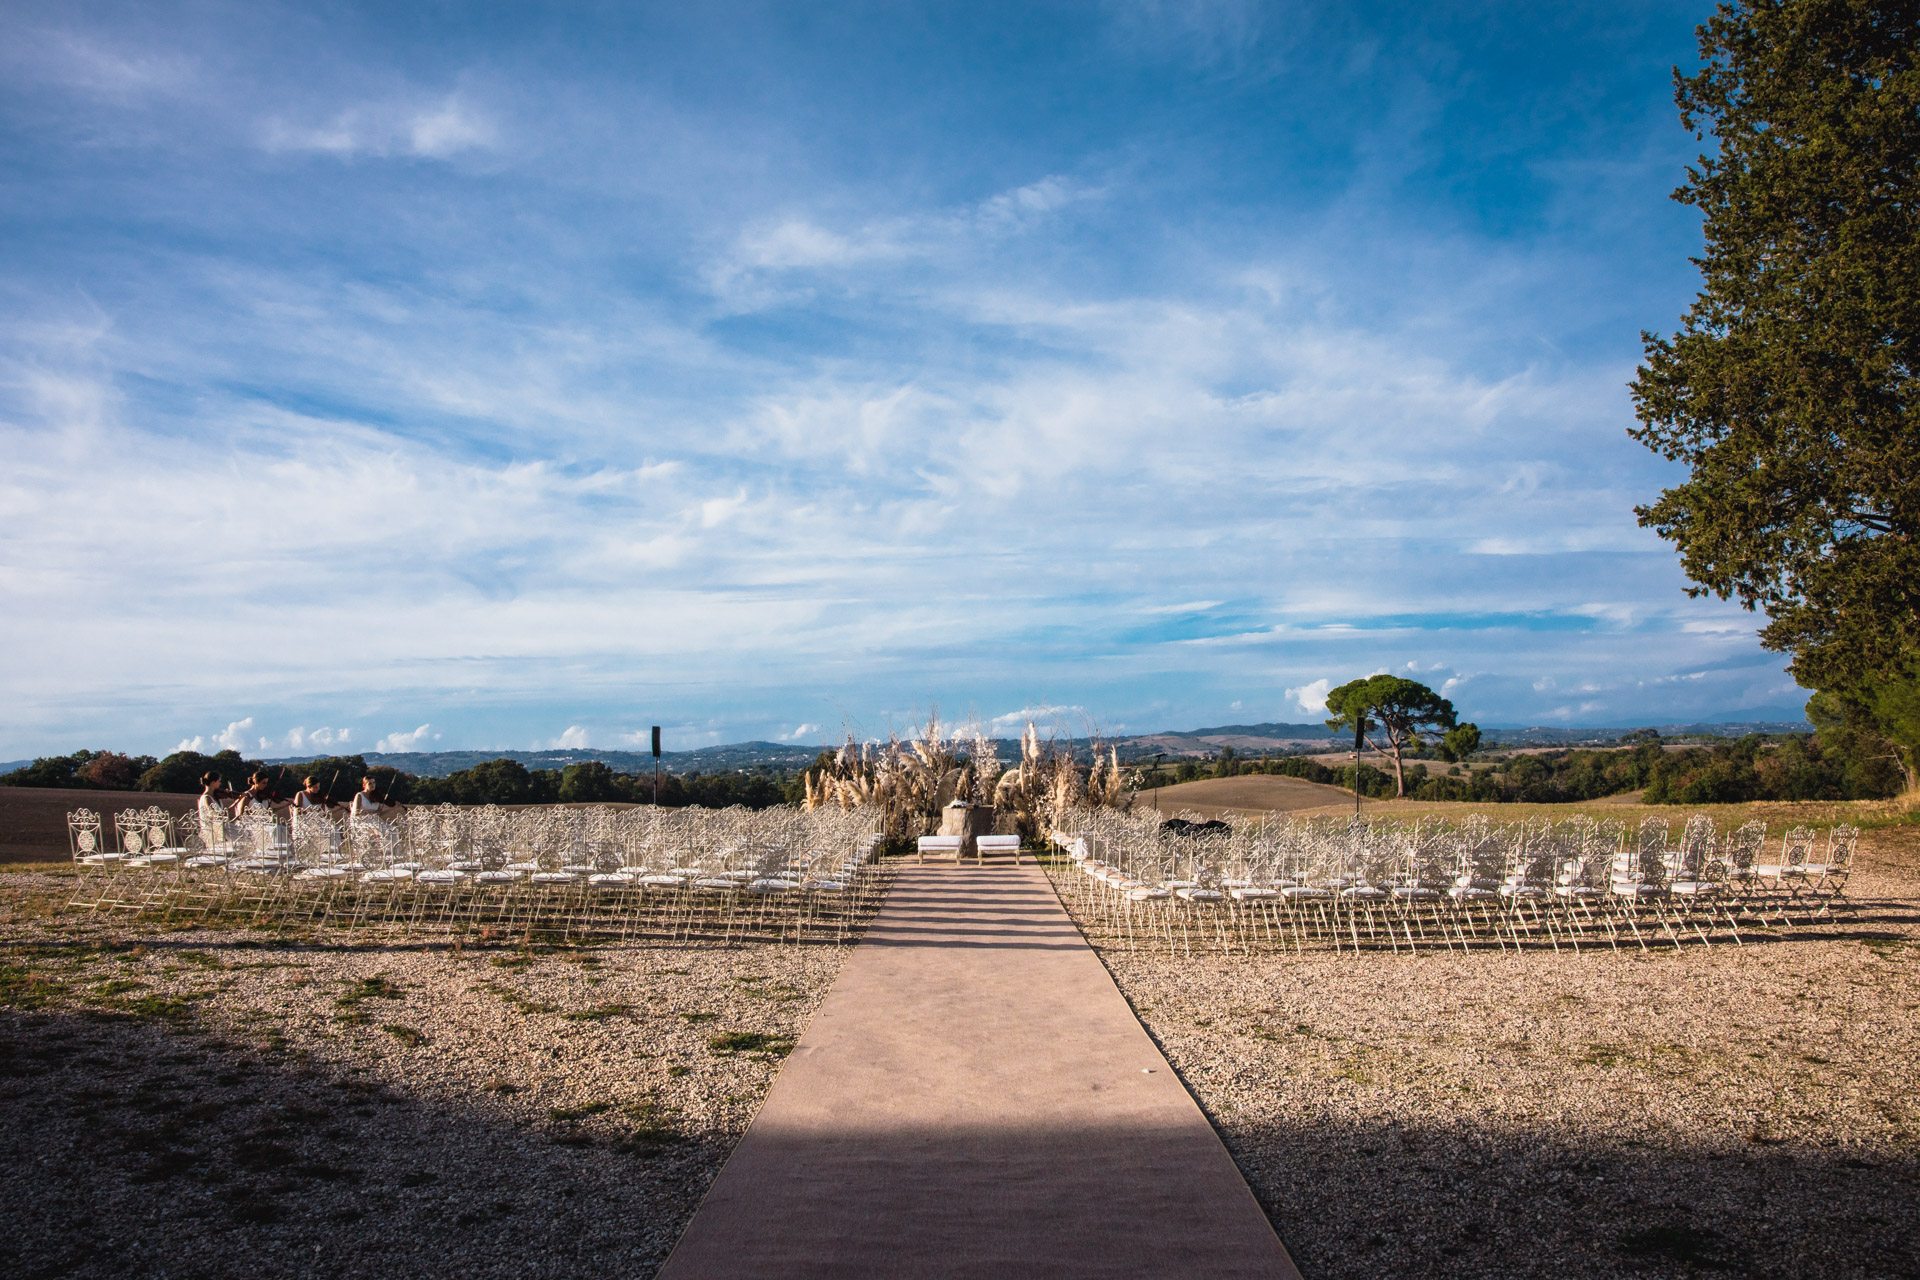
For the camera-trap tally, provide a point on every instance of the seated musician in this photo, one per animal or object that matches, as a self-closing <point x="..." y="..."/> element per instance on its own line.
<point x="369" y="803"/>
<point x="259" y="791"/>
<point x="213" y="794"/>
<point x="309" y="796"/>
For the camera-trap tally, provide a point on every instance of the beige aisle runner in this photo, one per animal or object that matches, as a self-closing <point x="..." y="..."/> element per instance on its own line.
<point x="975" y="1098"/>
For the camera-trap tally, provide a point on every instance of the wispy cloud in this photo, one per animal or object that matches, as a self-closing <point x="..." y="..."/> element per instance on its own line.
<point x="572" y="387"/>
<point x="434" y="130"/>
<point x="101" y="65"/>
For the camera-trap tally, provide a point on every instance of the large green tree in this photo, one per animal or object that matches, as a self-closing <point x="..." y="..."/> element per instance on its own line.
<point x="1789" y="388"/>
<point x="1394" y="709"/>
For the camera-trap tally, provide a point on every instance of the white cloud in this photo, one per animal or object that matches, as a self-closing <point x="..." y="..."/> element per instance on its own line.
<point x="302" y="739"/>
<point x="1049" y="718"/>
<point x="574" y="738"/>
<point x="795" y="245"/>
<point x="432" y="130"/>
<point x="959" y="466"/>
<point x="1312" y="698"/>
<point x="403" y="741"/>
<point x="804" y="732"/>
<point x="93" y="66"/>
<point x="231" y="738"/>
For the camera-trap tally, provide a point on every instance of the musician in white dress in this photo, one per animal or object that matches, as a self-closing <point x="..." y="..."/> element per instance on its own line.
<point x="310" y="804"/>
<point x="369" y="803"/>
<point x="370" y="808"/>
<point x="213" y="812"/>
<point x="309" y="796"/>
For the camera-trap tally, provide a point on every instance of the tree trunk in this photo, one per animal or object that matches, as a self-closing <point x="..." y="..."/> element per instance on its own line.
<point x="1399" y="775"/>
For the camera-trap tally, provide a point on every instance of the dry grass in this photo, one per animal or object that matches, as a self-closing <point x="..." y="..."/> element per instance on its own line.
<point x="1251" y="793"/>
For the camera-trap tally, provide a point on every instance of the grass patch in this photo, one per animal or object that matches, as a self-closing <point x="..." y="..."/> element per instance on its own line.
<point x="22" y="988"/>
<point x="695" y="1019"/>
<point x="357" y="993"/>
<point x="166" y="1008"/>
<point x="751" y="1042"/>
<point x="378" y="987"/>
<point x="514" y="963"/>
<point x="599" y="1013"/>
<point x="653" y="1128"/>
<point x="519" y="1002"/>
<point x="405" y="1035"/>
<point x="1602" y="1055"/>
<point x="581" y="1112"/>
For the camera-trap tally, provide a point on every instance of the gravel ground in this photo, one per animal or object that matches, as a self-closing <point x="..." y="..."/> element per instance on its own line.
<point x="205" y="1103"/>
<point x="1746" y="1109"/>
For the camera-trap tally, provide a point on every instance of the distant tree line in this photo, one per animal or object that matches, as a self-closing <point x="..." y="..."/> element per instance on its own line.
<point x="1829" y="765"/>
<point x="1755" y="767"/>
<point x="491" y="782"/>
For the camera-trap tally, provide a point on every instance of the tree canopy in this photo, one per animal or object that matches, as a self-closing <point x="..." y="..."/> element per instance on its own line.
<point x="1398" y="710"/>
<point x="1788" y="390"/>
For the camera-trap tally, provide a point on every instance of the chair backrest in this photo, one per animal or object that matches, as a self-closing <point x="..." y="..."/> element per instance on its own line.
<point x="1689" y="861"/>
<point x="1739" y="851"/>
<point x="1796" y="847"/>
<point x="130" y="826"/>
<point x="1840" y="845"/>
<point x="83" y="834"/>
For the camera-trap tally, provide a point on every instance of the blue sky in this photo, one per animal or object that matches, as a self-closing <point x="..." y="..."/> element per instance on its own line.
<point x="448" y="376"/>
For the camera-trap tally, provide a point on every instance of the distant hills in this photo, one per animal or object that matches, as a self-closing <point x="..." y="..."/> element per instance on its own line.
<point x="1245" y="739"/>
<point x="1174" y="744"/>
<point x="722" y="759"/>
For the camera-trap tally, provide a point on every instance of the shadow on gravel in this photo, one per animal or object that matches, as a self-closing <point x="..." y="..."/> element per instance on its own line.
<point x="136" y="1147"/>
<point x="1382" y="1200"/>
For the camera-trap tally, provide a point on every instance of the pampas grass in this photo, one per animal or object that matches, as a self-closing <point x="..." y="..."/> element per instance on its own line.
<point x="910" y="780"/>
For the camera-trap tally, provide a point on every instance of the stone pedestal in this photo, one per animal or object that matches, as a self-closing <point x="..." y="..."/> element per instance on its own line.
<point x="969" y="822"/>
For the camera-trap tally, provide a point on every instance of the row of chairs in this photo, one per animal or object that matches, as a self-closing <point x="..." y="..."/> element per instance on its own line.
<point x="597" y="872"/>
<point x="1285" y="883"/>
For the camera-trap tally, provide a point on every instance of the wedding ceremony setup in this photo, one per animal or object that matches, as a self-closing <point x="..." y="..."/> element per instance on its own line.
<point x="1107" y="640"/>
<point x="1283" y="883"/>
<point x="554" y="871"/>
<point x="1267" y="883"/>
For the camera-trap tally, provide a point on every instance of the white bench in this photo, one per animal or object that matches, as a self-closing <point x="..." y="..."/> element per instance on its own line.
<point x="939" y="844"/>
<point x="997" y="844"/>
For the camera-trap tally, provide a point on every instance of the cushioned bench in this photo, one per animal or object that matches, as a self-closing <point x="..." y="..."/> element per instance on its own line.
<point x="998" y="844"/>
<point x="939" y="845"/>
